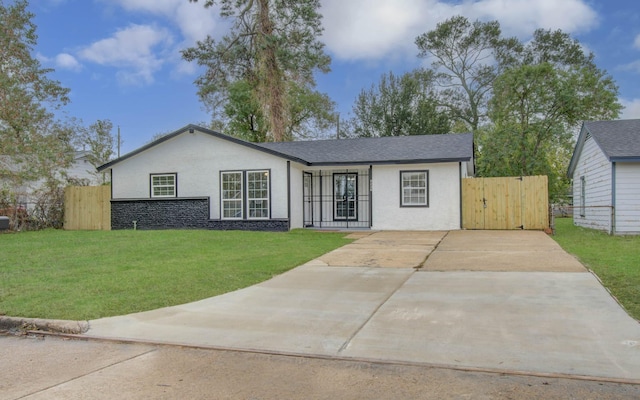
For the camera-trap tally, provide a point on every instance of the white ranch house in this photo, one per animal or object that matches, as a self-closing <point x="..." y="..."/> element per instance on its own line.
<point x="605" y="168"/>
<point x="198" y="178"/>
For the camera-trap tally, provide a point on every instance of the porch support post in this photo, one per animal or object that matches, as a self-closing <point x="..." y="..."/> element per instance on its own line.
<point x="333" y="203"/>
<point x="321" y="200"/>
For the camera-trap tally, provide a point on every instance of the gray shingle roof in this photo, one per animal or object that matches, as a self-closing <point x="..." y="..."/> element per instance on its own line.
<point x="618" y="139"/>
<point x="396" y="149"/>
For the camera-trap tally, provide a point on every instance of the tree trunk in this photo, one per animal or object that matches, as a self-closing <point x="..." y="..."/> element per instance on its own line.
<point x="272" y="86"/>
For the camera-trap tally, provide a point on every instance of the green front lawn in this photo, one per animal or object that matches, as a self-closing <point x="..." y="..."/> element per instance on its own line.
<point x="615" y="259"/>
<point x="86" y="275"/>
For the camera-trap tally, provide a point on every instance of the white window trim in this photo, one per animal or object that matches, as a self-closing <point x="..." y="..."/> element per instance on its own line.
<point x="267" y="199"/>
<point x="223" y="200"/>
<point x="174" y="186"/>
<point x="244" y="196"/>
<point x="403" y="202"/>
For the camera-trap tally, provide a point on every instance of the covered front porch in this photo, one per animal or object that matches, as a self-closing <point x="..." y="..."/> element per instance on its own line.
<point x="337" y="198"/>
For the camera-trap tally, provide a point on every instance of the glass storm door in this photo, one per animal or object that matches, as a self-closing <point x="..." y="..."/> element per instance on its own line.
<point x="345" y="196"/>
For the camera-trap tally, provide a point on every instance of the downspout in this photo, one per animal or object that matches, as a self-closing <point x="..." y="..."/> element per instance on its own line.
<point x="111" y="200"/>
<point x="613" y="199"/>
<point x="460" y="190"/>
<point x="111" y="181"/>
<point x="288" y="195"/>
<point x="370" y="196"/>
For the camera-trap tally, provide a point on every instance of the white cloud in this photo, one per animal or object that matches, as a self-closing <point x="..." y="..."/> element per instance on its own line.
<point x="372" y="29"/>
<point x="522" y="17"/>
<point x="56" y="2"/>
<point x="61" y="61"/>
<point x="631" y="109"/>
<point x="636" y="43"/>
<point x="376" y="29"/>
<point x="632" y="66"/>
<point x="67" y="61"/>
<point x="193" y="19"/>
<point x="153" y="6"/>
<point x="137" y="50"/>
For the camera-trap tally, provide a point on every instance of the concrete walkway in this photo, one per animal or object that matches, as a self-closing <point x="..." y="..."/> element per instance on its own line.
<point x="512" y="301"/>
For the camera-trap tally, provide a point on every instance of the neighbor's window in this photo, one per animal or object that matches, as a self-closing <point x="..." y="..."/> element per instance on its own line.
<point x="414" y="189"/>
<point x="163" y="185"/>
<point x="258" y="194"/>
<point x="232" y="195"/>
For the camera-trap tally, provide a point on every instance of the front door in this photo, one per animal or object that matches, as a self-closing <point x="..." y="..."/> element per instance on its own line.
<point x="345" y="197"/>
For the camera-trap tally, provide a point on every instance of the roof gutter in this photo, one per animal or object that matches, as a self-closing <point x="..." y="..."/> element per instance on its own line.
<point x="390" y="162"/>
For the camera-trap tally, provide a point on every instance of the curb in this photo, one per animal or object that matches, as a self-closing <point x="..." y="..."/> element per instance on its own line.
<point x="48" y="325"/>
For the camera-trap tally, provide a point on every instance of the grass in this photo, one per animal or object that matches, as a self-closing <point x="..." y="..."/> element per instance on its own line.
<point x="87" y="275"/>
<point x="615" y="259"/>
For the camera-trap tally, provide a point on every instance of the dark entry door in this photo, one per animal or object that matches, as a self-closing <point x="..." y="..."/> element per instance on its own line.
<point x="345" y="196"/>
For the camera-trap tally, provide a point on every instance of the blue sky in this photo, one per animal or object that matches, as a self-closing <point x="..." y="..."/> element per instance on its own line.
<point x="121" y="58"/>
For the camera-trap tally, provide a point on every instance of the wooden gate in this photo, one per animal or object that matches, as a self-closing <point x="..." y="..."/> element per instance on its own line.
<point x="505" y="203"/>
<point x="87" y="208"/>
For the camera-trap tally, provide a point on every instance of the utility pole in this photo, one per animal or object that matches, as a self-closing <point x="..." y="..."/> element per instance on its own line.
<point x="119" y="141"/>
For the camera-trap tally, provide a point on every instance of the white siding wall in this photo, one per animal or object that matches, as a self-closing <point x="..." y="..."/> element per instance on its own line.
<point x="296" y="196"/>
<point x="627" y="198"/>
<point x="82" y="169"/>
<point x="443" y="212"/>
<point x="198" y="159"/>
<point x="596" y="170"/>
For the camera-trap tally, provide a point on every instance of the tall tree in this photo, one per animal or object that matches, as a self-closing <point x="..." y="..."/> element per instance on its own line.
<point x="535" y="109"/>
<point x="100" y="143"/>
<point x="464" y="57"/>
<point x="398" y="106"/>
<point x="523" y="101"/>
<point x="32" y="142"/>
<point x="252" y="73"/>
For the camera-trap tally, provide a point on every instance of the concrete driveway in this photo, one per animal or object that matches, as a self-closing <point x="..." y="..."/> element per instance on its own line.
<point x="489" y="300"/>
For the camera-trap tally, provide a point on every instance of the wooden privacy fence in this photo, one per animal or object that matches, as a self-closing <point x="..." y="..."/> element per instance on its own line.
<point x="87" y="208"/>
<point x="505" y="203"/>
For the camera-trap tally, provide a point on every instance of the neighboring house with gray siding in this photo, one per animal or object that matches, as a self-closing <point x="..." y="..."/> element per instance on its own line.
<point x="198" y="178"/>
<point x="605" y="168"/>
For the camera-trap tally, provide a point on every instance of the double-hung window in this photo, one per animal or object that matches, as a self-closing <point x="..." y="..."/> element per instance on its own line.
<point x="414" y="188"/>
<point x="258" y="194"/>
<point x="245" y="194"/>
<point x="163" y="185"/>
<point x="232" y="195"/>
